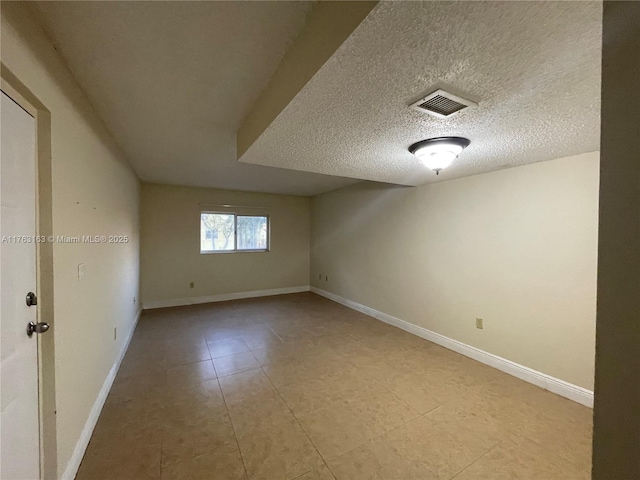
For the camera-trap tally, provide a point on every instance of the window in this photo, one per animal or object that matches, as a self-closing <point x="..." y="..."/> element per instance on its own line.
<point x="252" y="232"/>
<point x="229" y="232"/>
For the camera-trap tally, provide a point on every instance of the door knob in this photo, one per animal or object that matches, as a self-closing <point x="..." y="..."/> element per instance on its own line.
<point x="36" y="328"/>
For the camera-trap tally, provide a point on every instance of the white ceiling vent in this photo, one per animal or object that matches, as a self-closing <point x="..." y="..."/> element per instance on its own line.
<point x="442" y="104"/>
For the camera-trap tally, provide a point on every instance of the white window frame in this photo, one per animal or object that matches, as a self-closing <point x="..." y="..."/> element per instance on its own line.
<point x="235" y="233"/>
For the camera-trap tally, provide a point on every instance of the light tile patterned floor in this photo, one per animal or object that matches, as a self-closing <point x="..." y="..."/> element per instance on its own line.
<point x="296" y="386"/>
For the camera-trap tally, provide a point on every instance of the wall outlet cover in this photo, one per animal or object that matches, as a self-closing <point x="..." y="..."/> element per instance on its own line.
<point x="479" y="323"/>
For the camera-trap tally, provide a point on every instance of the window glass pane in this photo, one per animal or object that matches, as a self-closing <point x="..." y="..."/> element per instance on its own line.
<point x="252" y="233"/>
<point x="217" y="232"/>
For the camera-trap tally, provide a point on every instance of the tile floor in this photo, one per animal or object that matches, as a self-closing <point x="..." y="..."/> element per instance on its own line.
<point x="299" y="387"/>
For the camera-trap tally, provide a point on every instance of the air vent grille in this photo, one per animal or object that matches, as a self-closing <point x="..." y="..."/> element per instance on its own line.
<point x="441" y="104"/>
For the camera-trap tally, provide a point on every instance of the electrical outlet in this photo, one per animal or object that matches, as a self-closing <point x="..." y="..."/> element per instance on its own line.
<point x="479" y="323"/>
<point x="192" y="284"/>
<point x="115" y="333"/>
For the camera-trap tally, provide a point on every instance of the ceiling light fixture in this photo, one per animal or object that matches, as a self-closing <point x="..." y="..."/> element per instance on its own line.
<point x="439" y="153"/>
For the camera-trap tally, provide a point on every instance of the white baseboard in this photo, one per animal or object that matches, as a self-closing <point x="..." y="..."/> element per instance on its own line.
<point x="81" y="446"/>
<point x="542" y="380"/>
<point x="179" y="302"/>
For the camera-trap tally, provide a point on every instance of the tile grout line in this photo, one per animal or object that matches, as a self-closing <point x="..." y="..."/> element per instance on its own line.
<point x="228" y="341"/>
<point x="302" y="428"/>
<point x="275" y="333"/>
<point x="165" y="395"/>
<point x="477" y="460"/>
<point x="163" y="423"/>
<point x="372" y="439"/>
<point x="235" y="434"/>
<point x="212" y="363"/>
<point x="367" y="441"/>
<point x="544" y="447"/>
<point x="226" y="406"/>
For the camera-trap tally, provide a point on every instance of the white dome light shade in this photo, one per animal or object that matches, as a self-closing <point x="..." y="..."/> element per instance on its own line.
<point x="439" y="153"/>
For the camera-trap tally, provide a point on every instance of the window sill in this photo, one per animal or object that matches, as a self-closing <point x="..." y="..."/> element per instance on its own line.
<point x="215" y="252"/>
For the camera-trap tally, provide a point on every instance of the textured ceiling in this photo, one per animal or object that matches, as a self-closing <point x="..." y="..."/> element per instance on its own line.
<point x="173" y="80"/>
<point x="534" y="68"/>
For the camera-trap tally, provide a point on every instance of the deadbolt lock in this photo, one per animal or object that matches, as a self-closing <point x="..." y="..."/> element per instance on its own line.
<point x="32" y="299"/>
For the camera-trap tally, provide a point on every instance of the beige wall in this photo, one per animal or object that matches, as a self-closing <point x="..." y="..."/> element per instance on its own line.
<point x="515" y="247"/>
<point x="170" y="236"/>
<point x="95" y="192"/>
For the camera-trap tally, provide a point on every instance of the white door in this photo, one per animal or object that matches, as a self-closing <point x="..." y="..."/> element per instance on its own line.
<point x="19" y="424"/>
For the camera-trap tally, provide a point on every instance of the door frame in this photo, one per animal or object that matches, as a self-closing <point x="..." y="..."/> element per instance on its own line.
<point x="20" y="94"/>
